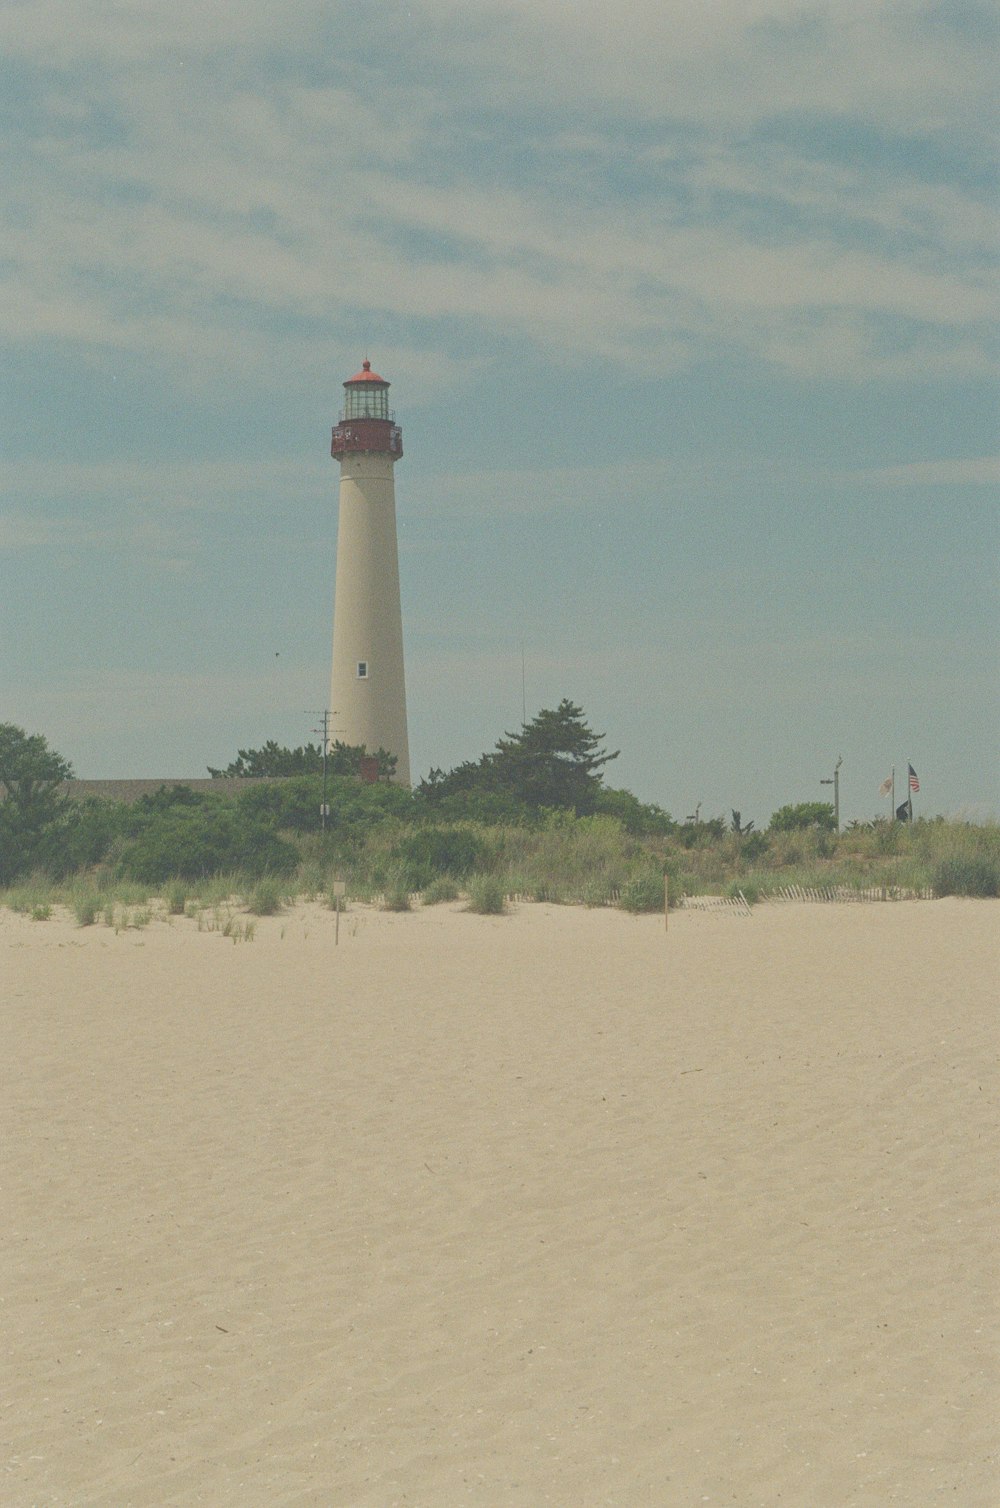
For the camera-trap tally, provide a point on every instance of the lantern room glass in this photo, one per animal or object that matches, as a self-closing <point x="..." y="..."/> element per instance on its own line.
<point x="366" y="400"/>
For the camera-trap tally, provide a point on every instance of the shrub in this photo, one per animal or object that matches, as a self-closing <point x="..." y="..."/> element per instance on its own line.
<point x="637" y="817"/>
<point x="643" y="892"/>
<point x="41" y="912"/>
<point x="191" y="842"/>
<point x="87" y="908"/>
<point x="293" y="804"/>
<point x="443" y="888"/>
<point x="702" y="834"/>
<point x="265" y="898"/>
<point x="397" y="892"/>
<point x="802" y="814"/>
<point x="25" y="898"/>
<point x="83" y="835"/>
<point x="433" y="851"/>
<point x="753" y="846"/>
<point x="967" y="874"/>
<point x="176" y="900"/>
<point x="597" y="891"/>
<point x="484" y="808"/>
<point x="486" y="895"/>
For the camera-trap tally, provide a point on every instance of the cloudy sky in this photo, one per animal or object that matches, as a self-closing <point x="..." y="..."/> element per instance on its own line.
<point x="687" y="308"/>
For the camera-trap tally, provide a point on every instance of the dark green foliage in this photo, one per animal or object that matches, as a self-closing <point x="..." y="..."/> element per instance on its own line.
<point x="167" y="797"/>
<point x="83" y="836"/>
<point x="637" y="818"/>
<point x="354" y="807"/>
<point x="30" y="803"/>
<point x="484" y="807"/>
<point x="753" y="846"/>
<point x="967" y="874"/>
<point x="433" y="851"/>
<point x="803" y="814"/>
<point x="274" y="760"/>
<point x="191" y="842"/>
<point x="702" y="834"/>
<point x="292" y="804"/>
<point x="554" y="761"/>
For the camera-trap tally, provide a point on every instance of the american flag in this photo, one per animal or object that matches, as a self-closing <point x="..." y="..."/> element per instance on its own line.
<point x="914" y="782"/>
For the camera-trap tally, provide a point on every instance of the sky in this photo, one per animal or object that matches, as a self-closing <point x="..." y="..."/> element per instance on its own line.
<point x="689" y="311"/>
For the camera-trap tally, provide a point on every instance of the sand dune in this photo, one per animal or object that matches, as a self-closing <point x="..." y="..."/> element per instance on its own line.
<point x="544" y="1209"/>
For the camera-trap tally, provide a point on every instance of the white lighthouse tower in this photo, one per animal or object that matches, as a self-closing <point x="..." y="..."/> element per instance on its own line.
<point x="368" y="690"/>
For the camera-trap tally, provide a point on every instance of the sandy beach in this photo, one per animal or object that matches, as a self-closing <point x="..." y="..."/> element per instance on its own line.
<point x="551" y="1208"/>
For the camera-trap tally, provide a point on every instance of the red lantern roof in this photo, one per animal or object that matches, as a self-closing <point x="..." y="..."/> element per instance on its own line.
<point x="366" y="375"/>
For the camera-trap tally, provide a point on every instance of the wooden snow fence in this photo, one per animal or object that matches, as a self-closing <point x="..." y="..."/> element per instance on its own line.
<point x="729" y="905"/>
<point x="840" y="893"/>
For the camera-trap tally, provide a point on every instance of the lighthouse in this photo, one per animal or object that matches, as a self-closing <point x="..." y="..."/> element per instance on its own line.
<point x="368" y="689"/>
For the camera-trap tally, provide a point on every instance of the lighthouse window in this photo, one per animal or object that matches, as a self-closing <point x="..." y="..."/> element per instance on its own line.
<point x="362" y="670"/>
<point x="366" y="401"/>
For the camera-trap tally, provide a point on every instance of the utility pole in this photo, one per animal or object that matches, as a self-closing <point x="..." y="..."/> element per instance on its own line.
<point x="324" y="731"/>
<point x="835" y="782"/>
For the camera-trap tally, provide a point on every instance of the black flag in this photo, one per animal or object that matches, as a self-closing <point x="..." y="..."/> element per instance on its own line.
<point x="903" y="813"/>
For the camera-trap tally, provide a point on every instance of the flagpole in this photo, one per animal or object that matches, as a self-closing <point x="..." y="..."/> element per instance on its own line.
<point x="893" y="818"/>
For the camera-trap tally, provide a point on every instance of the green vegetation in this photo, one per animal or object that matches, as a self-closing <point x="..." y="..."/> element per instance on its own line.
<point x="643" y="892"/>
<point x="30" y="775"/>
<point x="969" y="874"/>
<point x="486" y="895"/>
<point x="87" y="906"/>
<point x="266" y="898"/>
<point x="555" y="761"/>
<point x="802" y="816"/>
<point x="273" y="760"/>
<point x="533" y="820"/>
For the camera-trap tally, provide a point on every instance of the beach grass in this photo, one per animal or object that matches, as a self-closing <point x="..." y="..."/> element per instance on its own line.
<point x="558" y="860"/>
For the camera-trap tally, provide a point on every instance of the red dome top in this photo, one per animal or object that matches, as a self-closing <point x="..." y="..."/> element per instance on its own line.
<point x="367" y="375"/>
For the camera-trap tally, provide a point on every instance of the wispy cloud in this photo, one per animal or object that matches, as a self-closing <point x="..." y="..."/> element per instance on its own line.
<point x="977" y="471"/>
<point x="218" y="190"/>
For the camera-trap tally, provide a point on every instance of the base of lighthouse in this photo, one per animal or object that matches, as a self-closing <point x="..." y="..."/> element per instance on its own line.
<point x="368" y="688"/>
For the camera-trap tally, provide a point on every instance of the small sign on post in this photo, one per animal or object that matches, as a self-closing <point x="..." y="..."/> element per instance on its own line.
<point x="339" y="891"/>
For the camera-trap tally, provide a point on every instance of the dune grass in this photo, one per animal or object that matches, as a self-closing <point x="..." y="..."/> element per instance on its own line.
<point x="487" y="896"/>
<point x="561" y="860"/>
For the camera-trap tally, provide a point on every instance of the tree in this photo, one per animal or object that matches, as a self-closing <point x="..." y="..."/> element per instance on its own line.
<point x="801" y="815"/>
<point x="275" y="760"/>
<point x="30" y="776"/>
<point x="642" y="819"/>
<point x="555" y="760"/>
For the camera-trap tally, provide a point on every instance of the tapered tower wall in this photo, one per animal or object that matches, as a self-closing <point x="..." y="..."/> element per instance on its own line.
<point x="368" y="688"/>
